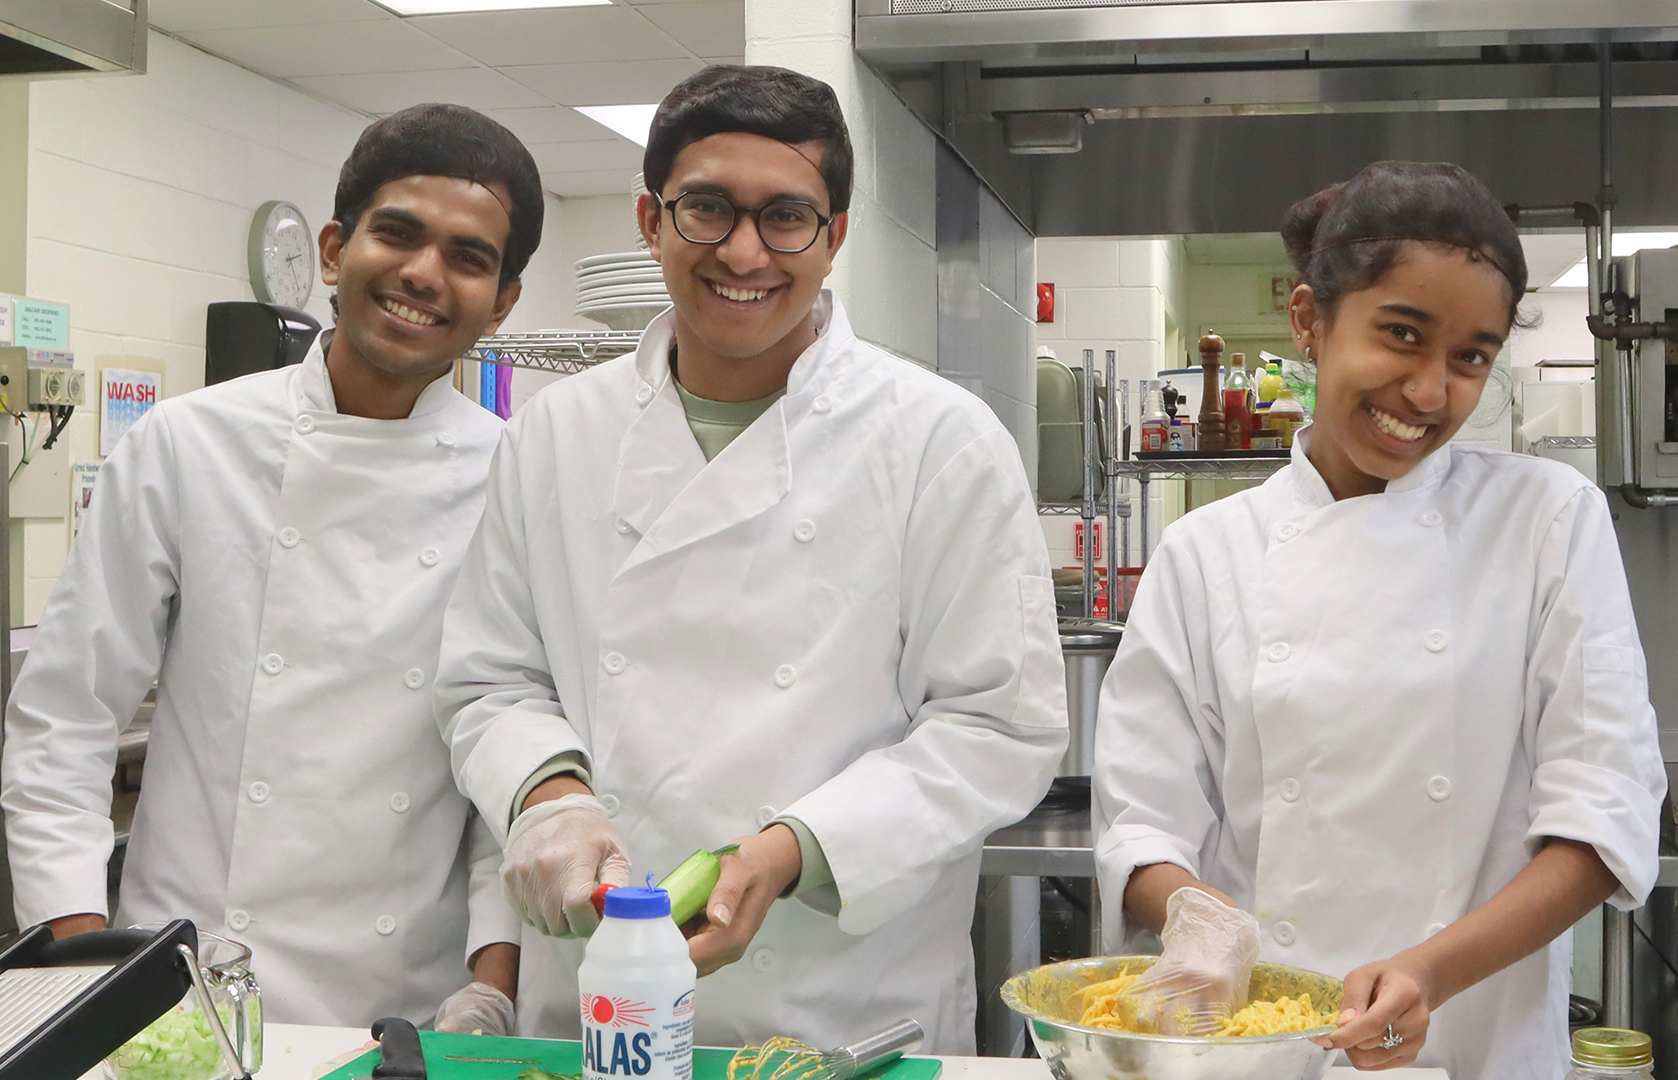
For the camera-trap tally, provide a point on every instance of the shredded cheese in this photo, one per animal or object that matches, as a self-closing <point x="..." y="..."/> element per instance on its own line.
<point x="1110" y="1005"/>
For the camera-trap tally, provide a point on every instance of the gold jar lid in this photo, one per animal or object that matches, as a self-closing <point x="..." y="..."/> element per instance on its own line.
<point x="1613" y="1047"/>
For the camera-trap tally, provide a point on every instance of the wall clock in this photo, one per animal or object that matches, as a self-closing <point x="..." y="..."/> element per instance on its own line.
<point x="281" y="254"/>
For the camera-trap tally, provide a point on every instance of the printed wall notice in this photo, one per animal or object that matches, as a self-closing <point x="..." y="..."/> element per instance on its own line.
<point x="82" y="478"/>
<point x="124" y="397"/>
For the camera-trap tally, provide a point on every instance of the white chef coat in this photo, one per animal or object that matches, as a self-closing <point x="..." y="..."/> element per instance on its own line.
<point x="845" y="617"/>
<point x="281" y="569"/>
<point x="1360" y="719"/>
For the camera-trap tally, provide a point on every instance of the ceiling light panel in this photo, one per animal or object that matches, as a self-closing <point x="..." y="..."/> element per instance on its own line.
<point x="630" y="121"/>
<point x="1625" y="243"/>
<point x="457" y="7"/>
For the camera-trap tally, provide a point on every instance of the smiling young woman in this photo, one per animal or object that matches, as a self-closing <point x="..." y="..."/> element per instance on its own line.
<point x="1392" y="702"/>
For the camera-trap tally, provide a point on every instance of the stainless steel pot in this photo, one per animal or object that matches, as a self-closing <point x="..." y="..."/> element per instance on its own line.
<point x="1087" y="646"/>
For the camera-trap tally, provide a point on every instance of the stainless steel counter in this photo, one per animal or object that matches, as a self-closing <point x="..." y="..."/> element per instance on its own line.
<point x="1048" y="843"/>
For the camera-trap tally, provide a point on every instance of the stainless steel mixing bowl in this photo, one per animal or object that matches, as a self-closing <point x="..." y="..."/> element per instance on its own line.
<point x="1044" y="996"/>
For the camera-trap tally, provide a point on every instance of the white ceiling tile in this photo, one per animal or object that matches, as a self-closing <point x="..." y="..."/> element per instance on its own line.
<point x="710" y="28"/>
<point x="392" y="91"/>
<point x="553" y="36"/>
<point x="180" y="16"/>
<point x="592" y="156"/>
<point x="553" y="124"/>
<point x="348" y="49"/>
<point x="603" y="182"/>
<point x="638" y="83"/>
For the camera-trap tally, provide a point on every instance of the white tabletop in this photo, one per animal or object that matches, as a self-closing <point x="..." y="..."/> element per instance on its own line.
<point x="291" y="1052"/>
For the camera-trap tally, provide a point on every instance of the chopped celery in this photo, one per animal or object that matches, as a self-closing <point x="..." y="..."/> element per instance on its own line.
<point x="177" y="1046"/>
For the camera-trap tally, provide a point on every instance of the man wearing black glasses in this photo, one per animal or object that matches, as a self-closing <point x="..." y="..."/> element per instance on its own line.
<point x="762" y="583"/>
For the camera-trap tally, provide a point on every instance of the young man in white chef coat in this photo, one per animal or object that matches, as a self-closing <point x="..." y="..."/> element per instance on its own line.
<point x="763" y="583"/>
<point x="276" y="552"/>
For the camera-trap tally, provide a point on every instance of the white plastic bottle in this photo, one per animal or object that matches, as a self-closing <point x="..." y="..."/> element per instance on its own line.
<point x="636" y="988"/>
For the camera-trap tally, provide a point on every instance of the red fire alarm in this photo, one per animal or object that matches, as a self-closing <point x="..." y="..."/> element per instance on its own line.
<point x="1045" y="301"/>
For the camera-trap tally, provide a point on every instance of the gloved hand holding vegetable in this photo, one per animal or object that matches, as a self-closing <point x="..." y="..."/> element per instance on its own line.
<point x="476" y="1008"/>
<point x="1202" y="975"/>
<point x="556" y="853"/>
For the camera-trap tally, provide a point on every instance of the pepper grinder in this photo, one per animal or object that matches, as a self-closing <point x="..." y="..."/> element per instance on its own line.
<point x="1211" y="392"/>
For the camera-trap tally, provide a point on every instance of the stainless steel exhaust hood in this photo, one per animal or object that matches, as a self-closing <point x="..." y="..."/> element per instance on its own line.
<point x="897" y="31"/>
<point x="44" y="38"/>
<point x="1215" y="115"/>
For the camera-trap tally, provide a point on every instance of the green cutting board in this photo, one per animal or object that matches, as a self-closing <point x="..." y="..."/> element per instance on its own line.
<point x="564" y="1056"/>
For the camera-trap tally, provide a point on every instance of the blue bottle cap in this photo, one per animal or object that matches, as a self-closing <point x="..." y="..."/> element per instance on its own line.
<point x="637" y="904"/>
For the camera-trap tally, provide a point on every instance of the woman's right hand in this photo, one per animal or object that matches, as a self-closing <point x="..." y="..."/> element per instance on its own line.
<point x="1386" y="998"/>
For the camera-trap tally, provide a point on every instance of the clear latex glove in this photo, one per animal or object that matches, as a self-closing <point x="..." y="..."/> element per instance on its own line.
<point x="476" y="1008"/>
<point x="556" y="853"/>
<point x="1204" y="972"/>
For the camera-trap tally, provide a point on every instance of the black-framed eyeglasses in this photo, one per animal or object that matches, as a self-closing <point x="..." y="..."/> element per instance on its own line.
<point x="787" y="226"/>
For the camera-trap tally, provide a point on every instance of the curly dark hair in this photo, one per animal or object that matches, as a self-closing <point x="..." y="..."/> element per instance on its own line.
<point x="452" y="141"/>
<point x="769" y="101"/>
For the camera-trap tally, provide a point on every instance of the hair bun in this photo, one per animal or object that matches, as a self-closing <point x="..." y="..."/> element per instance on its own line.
<point x="1299" y="224"/>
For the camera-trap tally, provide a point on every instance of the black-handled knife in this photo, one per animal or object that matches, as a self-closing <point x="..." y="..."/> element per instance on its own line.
<point x="400" y="1055"/>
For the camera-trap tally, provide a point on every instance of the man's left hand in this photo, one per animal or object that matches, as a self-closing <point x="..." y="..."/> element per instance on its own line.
<point x="752" y="879"/>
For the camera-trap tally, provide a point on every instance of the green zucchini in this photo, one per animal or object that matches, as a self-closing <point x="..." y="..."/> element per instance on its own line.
<point x="690" y="884"/>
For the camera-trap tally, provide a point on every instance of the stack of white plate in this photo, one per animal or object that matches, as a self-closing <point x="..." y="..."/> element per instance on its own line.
<point x="625" y="291"/>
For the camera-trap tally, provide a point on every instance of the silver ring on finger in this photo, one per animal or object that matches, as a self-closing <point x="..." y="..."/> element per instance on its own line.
<point x="1393" y="1039"/>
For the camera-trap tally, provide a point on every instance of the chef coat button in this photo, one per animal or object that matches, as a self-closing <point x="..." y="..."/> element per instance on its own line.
<point x="445" y="440"/>
<point x="765" y="814"/>
<point x="1278" y="652"/>
<point x="1433" y="518"/>
<point x="385" y="925"/>
<point x="643" y="395"/>
<point x="822" y="404"/>
<point x="614" y="663"/>
<point x="1284" y="933"/>
<point x="1434" y="928"/>
<point x="430" y="556"/>
<point x="258" y="792"/>
<point x="622" y="526"/>
<point x="611" y="803"/>
<point x="273" y="663"/>
<point x="289" y="537"/>
<point x="400" y="802"/>
<point x="1439" y="789"/>
<point x="763" y="959"/>
<point x="304" y="424"/>
<point x="1287" y="531"/>
<point x="785" y="676"/>
<point x="1290" y="790"/>
<point x="1434" y="640"/>
<point x="238" y="920"/>
<point x="804" y="531"/>
<point x="413" y="678"/>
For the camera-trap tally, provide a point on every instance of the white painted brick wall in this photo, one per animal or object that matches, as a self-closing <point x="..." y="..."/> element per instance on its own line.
<point x="141" y="193"/>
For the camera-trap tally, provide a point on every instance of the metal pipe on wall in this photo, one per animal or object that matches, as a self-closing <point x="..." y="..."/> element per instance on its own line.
<point x="1092" y="462"/>
<point x="1115" y="423"/>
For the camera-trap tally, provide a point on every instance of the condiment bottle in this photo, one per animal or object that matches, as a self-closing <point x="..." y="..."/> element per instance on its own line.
<point x="635" y="992"/>
<point x="1211" y="393"/>
<point x="1286" y="416"/>
<point x="1269" y="384"/>
<point x="1156" y="423"/>
<point x="1612" y="1054"/>
<point x="1238" y="405"/>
